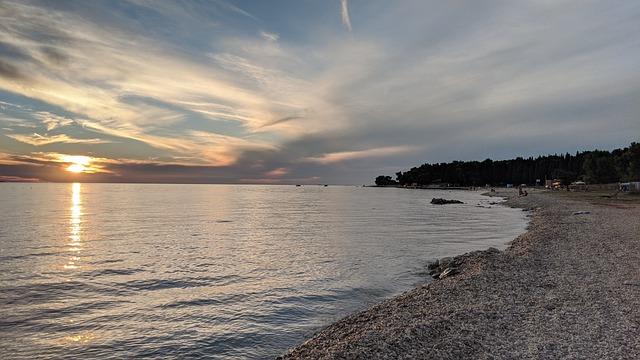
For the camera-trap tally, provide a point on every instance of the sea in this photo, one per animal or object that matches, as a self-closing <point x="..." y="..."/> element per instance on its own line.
<point x="123" y="271"/>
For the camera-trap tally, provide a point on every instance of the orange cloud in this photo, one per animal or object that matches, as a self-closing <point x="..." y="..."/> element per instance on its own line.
<point x="335" y="157"/>
<point x="277" y="172"/>
<point x="36" y="139"/>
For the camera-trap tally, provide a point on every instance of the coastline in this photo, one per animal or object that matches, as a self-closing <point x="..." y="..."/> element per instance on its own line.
<point x="568" y="286"/>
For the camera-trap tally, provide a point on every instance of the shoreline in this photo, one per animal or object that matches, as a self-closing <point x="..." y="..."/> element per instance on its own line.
<point x="568" y="286"/>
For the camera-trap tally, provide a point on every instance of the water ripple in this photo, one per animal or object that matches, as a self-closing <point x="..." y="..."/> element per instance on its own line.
<point x="181" y="283"/>
<point x="230" y="299"/>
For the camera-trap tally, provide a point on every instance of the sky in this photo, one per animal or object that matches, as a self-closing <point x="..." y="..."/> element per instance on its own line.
<point x="307" y="91"/>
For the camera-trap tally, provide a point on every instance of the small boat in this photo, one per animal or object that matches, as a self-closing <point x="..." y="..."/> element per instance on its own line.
<point x="325" y="185"/>
<point x="298" y="185"/>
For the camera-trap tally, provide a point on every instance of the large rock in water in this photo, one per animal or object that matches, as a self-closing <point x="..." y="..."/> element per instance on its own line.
<point x="440" y="201"/>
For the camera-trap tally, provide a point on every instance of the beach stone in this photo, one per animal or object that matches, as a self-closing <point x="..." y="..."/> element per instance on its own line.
<point x="434" y="271"/>
<point x="444" y="262"/>
<point x="433" y="265"/>
<point x="440" y="201"/>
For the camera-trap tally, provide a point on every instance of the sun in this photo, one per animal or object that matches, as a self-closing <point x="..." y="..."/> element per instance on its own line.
<point x="76" y="168"/>
<point x="78" y="164"/>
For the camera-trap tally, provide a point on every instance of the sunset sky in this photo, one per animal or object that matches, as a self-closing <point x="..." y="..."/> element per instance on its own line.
<point x="307" y="91"/>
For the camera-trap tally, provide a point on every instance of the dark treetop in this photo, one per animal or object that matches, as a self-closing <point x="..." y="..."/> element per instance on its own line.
<point x="595" y="166"/>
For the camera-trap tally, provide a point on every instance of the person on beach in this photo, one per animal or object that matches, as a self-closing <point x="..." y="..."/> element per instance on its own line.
<point x="521" y="191"/>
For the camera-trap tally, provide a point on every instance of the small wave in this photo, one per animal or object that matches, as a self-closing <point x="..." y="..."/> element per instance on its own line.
<point x="304" y="299"/>
<point x="205" y="302"/>
<point x="289" y="313"/>
<point x="107" y="261"/>
<point x="41" y="292"/>
<point x="110" y="272"/>
<point x="18" y="257"/>
<point x="79" y="308"/>
<point x="37" y="317"/>
<point x="161" y="284"/>
<point x="47" y="292"/>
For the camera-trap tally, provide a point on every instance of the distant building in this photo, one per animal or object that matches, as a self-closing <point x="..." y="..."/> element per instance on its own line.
<point x="552" y="184"/>
<point x="578" y="186"/>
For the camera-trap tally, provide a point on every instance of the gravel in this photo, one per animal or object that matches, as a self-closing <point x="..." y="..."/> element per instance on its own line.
<point x="567" y="288"/>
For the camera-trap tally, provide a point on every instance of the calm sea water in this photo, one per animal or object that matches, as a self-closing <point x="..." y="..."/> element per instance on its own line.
<point x="212" y="271"/>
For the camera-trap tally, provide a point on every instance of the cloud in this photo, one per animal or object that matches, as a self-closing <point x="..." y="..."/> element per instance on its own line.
<point x="344" y="13"/>
<point x="236" y="9"/>
<point x="336" y="157"/>
<point x="272" y="37"/>
<point x="104" y="70"/>
<point x="17" y="179"/>
<point x="280" y="121"/>
<point x="36" y="139"/>
<point x="279" y="172"/>
<point x="11" y="72"/>
<point x="52" y="121"/>
<point x="103" y="67"/>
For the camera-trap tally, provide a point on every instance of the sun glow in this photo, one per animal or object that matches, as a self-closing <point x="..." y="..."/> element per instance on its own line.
<point x="76" y="168"/>
<point x="79" y="164"/>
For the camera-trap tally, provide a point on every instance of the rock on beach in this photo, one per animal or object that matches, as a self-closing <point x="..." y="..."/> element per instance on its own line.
<point x="440" y="201"/>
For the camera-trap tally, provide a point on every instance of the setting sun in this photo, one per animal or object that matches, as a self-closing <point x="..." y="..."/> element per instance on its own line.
<point x="79" y="164"/>
<point x="76" y="168"/>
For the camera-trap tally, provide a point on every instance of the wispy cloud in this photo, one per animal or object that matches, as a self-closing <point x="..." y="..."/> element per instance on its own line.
<point x="52" y="121"/>
<point x="272" y="37"/>
<point x="279" y="172"/>
<point x="102" y="71"/>
<point x="344" y="13"/>
<point x="36" y="139"/>
<point x="341" y="156"/>
<point x="4" y="178"/>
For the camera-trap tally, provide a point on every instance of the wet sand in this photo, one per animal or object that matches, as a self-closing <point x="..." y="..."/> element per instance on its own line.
<point x="567" y="288"/>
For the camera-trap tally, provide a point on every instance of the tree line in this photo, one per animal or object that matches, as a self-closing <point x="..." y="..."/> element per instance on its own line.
<point x="593" y="167"/>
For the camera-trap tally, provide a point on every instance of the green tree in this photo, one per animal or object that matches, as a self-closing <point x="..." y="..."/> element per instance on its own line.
<point x="385" y="181"/>
<point x="633" y="169"/>
<point x="593" y="166"/>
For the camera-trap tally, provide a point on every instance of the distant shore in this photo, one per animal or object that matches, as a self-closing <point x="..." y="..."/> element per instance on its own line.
<point x="568" y="287"/>
<point x="426" y="187"/>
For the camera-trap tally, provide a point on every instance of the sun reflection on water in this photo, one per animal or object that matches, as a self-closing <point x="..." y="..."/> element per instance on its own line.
<point x="75" y="227"/>
<point x="80" y="338"/>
